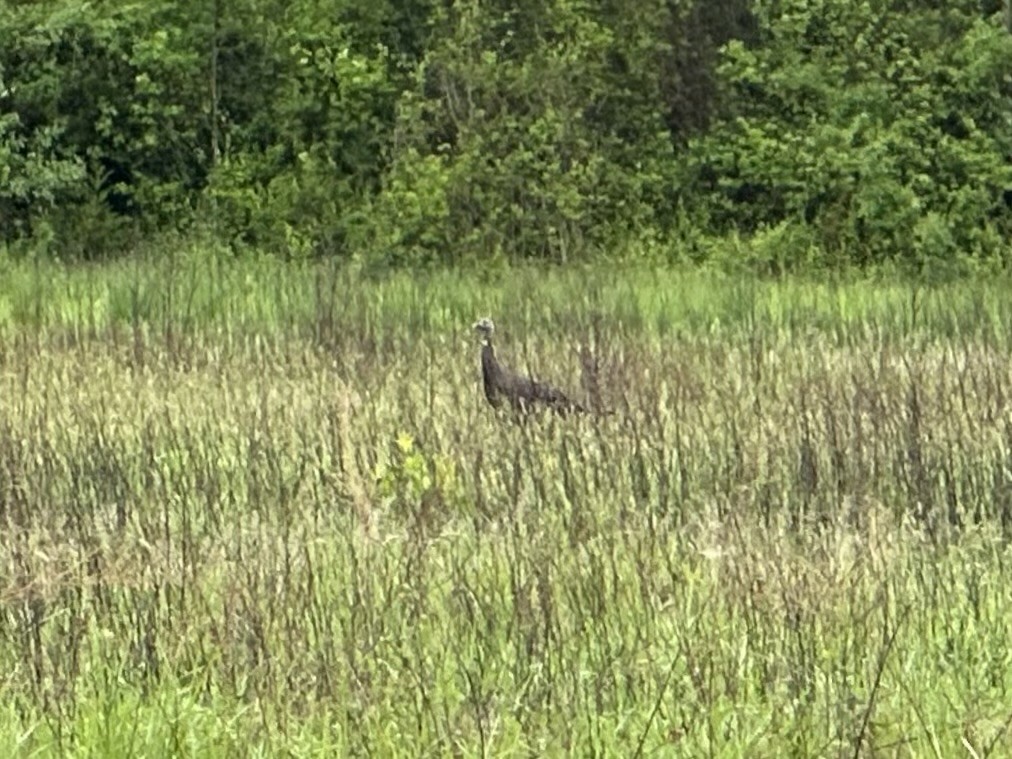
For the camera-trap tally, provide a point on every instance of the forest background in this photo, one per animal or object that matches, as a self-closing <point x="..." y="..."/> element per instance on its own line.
<point x="779" y="133"/>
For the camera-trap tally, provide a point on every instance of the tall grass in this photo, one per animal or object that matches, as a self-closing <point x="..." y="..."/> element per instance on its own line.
<point x="253" y="507"/>
<point x="195" y="288"/>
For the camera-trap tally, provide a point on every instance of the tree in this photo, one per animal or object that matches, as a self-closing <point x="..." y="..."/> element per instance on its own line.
<point x="888" y="132"/>
<point x="533" y="130"/>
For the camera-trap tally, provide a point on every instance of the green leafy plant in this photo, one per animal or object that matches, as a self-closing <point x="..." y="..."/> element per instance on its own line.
<point x="868" y="125"/>
<point x="414" y="484"/>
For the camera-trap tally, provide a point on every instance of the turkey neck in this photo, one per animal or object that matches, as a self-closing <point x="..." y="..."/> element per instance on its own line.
<point x="489" y="368"/>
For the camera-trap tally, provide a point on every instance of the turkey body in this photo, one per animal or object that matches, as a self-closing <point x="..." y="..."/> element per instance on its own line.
<point x="521" y="393"/>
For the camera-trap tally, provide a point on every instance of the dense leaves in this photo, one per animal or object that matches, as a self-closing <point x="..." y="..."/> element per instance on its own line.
<point x="888" y="133"/>
<point x="422" y="132"/>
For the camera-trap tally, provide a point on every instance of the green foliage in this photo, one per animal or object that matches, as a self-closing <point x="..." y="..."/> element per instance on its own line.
<point x="418" y="486"/>
<point x="869" y="125"/>
<point x="36" y="177"/>
<point x="119" y="108"/>
<point x="303" y="190"/>
<point x="109" y="94"/>
<point x="534" y="132"/>
<point x="421" y="133"/>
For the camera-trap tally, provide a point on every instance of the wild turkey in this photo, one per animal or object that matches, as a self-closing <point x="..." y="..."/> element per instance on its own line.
<point x="522" y="393"/>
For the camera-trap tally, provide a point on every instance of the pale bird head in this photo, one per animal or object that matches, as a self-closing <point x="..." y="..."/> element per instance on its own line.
<point x="484" y="327"/>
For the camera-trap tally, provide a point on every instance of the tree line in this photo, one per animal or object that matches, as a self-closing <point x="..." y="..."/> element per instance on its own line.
<point x="442" y="131"/>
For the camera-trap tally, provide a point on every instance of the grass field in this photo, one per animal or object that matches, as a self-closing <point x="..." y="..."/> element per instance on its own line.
<point x="253" y="508"/>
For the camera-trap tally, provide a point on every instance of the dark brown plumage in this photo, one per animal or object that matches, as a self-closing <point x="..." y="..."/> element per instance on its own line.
<point x="520" y="392"/>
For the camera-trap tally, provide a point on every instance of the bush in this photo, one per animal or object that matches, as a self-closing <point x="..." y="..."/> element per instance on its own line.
<point x="869" y="125"/>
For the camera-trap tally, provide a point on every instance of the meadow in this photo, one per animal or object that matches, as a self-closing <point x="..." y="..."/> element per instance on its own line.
<point x="260" y="508"/>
